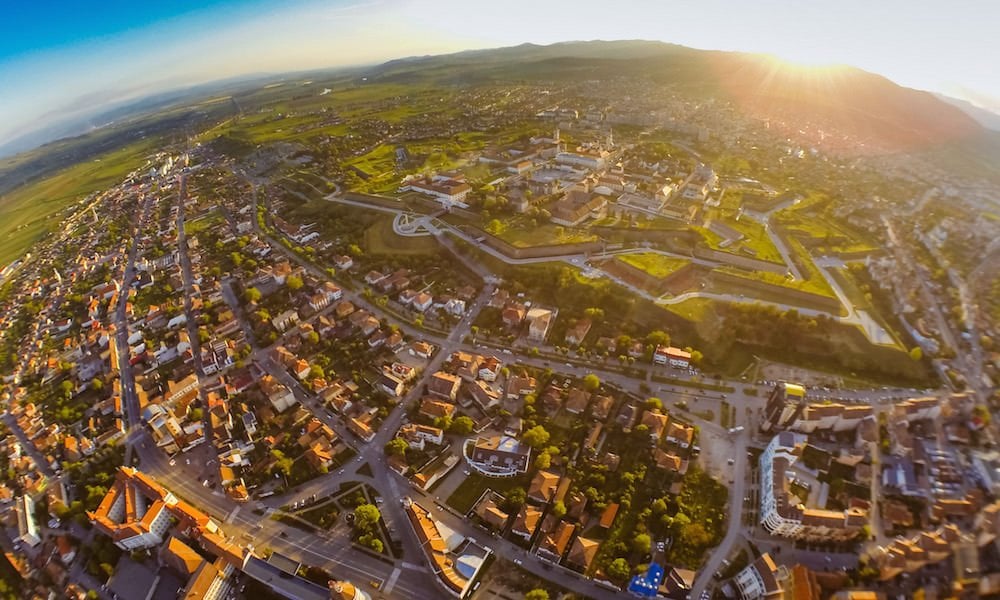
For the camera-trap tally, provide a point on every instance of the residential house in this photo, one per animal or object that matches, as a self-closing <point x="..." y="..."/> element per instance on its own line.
<point x="543" y="486"/>
<point x="435" y="409"/>
<point x="444" y="385"/>
<point x="499" y="456"/>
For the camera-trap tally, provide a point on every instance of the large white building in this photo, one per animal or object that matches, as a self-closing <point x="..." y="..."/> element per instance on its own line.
<point x="760" y="580"/>
<point x="137" y="512"/>
<point x="27" y="525"/>
<point x="782" y="513"/>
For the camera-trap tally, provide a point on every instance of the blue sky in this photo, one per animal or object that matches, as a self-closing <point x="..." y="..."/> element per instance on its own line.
<point x="64" y="59"/>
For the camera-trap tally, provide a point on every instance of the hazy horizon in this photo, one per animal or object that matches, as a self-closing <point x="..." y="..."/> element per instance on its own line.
<point x="87" y="58"/>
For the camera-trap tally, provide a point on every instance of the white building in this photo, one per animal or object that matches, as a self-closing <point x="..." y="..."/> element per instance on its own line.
<point x="27" y="525"/>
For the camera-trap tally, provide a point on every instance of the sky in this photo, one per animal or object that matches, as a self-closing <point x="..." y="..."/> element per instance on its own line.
<point x="62" y="59"/>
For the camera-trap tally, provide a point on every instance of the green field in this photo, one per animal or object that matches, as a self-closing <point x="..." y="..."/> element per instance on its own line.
<point x="30" y="212"/>
<point x="381" y="239"/>
<point x="657" y="265"/>
<point x="516" y="234"/>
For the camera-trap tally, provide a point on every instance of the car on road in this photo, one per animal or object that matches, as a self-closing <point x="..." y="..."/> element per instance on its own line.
<point x="173" y="461"/>
<point x="518" y="561"/>
<point x="341" y="472"/>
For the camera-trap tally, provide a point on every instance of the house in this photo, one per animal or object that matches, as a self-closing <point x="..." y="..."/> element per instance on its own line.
<point x="680" y="434"/>
<point x="435" y="409"/>
<point x="422" y="302"/>
<point x="285" y="320"/>
<point x="513" y="315"/>
<point x="444" y="385"/>
<point x="343" y="309"/>
<point x="489" y="368"/>
<point x="499" y="456"/>
<point x="421" y="349"/>
<point x="576" y="401"/>
<point x="576" y="206"/>
<point x="519" y="386"/>
<point x="582" y="553"/>
<point x="656" y="422"/>
<point x="526" y="522"/>
<point x="541" y="320"/>
<point x="554" y="545"/>
<point x="280" y="397"/>
<point x="543" y="486"/>
<point x="602" y="407"/>
<point x="466" y="365"/>
<point x="375" y="277"/>
<point x="484" y="395"/>
<point x="675" y="357"/>
<point x="455" y="307"/>
<point x="608" y="516"/>
<point x="578" y="332"/>
<point x="449" y="191"/>
<point x="490" y="513"/>
<point x="392" y="385"/>
<point x="343" y="263"/>
<point x="416" y="435"/>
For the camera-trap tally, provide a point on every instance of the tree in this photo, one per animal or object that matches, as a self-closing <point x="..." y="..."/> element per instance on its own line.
<point x="916" y="353"/>
<point x="558" y="509"/>
<point x="537" y="594"/>
<point x="316" y="372"/>
<point x="654" y="404"/>
<point x="312" y="337"/>
<point x="618" y="569"/>
<point x="293" y="282"/>
<point x="371" y="541"/>
<point x="366" y="516"/>
<point x="494" y="227"/>
<point x="396" y="447"/>
<point x="543" y="460"/>
<point x="696" y="357"/>
<point x="282" y="463"/>
<point x="536" y="437"/>
<point x="658" y="338"/>
<point x="641" y="543"/>
<point x="462" y="425"/>
<point x="514" y="500"/>
<point x="443" y="422"/>
<point x="252" y="295"/>
<point x="591" y="382"/>
<point x="97" y="384"/>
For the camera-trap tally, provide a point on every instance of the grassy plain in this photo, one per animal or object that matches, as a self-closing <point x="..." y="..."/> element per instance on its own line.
<point x="657" y="265"/>
<point x="30" y="212"/>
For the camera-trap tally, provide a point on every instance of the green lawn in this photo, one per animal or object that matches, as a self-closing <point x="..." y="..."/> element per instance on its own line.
<point x="516" y="234"/>
<point x="463" y="498"/>
<point x="657" y="265"/>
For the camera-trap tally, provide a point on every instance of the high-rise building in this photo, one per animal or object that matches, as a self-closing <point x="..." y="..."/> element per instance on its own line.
<point x="784" y="405"/>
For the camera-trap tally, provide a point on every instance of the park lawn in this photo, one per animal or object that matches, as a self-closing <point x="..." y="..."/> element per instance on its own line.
<point x="813" y="285"/>
<point x="30" y="212"/>
<point x="543" y="235"/>
<point x="465" y="496"/>
<point x="655" y="264"/>
<point x="694" y="309"/>
<point x="755" y="239"/>
<point x="196" y="226"/>
<point x="377" y="161"/>
<point x="381" y="239"/>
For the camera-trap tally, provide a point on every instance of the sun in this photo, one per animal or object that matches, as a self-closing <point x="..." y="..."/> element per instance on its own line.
<point x="810" y="68"/>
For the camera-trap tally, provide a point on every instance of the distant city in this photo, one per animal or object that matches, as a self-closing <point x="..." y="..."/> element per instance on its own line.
<point x="530" y="324"/>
